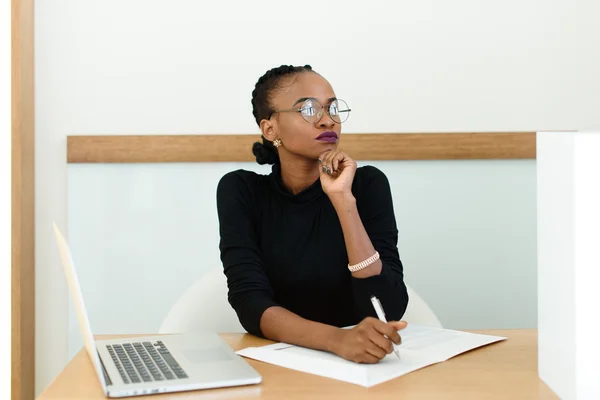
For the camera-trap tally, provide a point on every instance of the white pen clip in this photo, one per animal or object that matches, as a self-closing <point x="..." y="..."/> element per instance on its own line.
<point x="381" y="316"/>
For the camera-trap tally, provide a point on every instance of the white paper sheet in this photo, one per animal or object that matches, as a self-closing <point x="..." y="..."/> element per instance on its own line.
<point x="421" y="346"/>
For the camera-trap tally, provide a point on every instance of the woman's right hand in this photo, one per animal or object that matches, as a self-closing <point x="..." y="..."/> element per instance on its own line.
<point x="367" y="343"/>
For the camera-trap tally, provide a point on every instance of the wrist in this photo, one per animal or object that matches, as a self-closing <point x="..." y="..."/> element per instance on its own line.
<point x="374" y="269"/>
<point x="334" y="340"/>
<point x="342" y="199"/>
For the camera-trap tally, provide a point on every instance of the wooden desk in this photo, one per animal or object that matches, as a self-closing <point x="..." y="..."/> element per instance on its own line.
<point x="505" y="370"/>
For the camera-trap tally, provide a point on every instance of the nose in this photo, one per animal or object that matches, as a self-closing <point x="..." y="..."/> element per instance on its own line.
<point x="326" y="121"/>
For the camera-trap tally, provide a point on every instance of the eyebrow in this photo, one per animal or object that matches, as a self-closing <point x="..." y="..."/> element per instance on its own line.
<point x="303" y="99"/>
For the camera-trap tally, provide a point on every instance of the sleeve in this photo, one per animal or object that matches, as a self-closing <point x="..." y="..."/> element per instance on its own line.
<point x="250" y="293"/>
<point x="376" y="210"/>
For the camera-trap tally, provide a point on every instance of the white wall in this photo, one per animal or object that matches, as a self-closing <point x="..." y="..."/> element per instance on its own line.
<point x="150" y="67"/>
<point x="5" y="201"/>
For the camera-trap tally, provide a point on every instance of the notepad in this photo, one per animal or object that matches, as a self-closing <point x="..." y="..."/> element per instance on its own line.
<point x="421" y="346"/>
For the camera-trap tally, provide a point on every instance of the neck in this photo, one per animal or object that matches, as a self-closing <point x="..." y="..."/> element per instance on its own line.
<point x="298" y="174"/>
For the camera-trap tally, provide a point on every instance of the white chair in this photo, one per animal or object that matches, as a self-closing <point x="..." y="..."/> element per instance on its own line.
<point x="418" y="312"/>
<point x="204" y="307"/>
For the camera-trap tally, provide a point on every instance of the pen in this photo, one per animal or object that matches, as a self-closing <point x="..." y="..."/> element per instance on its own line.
<point x="381" y="316"/>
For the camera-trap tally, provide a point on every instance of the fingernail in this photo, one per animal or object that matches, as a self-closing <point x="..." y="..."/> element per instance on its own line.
<point x="320" y="161"/>
<point x="324" y="168"/>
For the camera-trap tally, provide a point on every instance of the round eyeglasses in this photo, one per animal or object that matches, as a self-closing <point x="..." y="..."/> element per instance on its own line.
<point x="312" y="111"/>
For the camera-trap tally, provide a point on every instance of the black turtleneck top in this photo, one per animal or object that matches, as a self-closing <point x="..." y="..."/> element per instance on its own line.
<point x="286" y="250"/>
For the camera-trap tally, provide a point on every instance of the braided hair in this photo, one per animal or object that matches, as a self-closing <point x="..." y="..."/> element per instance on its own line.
<point x="271" y="81"/>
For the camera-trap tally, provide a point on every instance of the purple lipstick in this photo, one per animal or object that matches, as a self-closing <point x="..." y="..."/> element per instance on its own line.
<point x="328" y="136"/>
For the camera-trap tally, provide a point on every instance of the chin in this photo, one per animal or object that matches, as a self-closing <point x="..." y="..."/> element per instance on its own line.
<point x="332" y="145"/>
<point x="321" y="147"/>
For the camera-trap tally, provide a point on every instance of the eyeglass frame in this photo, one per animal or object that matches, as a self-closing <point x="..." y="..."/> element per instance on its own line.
<point x="304" y="99"/>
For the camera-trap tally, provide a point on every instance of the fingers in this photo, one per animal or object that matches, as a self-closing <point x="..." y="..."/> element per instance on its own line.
<point x="323" y="157"/>
<point x="335" y="162"/>
<point x="376" y="351"/>
<point x="332" y="162"/>
<point x="322" y="164"/>
<point x="390" y="330"/>
<point x="327" y="161"/>
<point x="398" y="325"/>
<point x="377" y="336"/>
<point x="369" y="341"/>
<point x="383" y="343"/>
<point x="368" y="358"/>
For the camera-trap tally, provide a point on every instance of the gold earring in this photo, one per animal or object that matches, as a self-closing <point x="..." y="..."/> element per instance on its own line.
<point x="277" y="142"/>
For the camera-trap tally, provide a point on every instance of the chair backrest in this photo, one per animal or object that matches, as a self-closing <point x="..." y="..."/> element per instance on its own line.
<point x="418" y="312"/>
<point x="204" y="307"/>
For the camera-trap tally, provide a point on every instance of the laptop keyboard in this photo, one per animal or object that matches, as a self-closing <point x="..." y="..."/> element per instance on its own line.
<point x="144" y="361"/>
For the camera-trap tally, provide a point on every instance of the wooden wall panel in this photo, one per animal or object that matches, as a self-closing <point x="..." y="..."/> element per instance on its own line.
<point x="379" y="146"/>
<point x="22" y="198"/>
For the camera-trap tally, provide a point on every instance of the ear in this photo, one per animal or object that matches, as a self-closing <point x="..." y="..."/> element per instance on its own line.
<point x="268" y="130"/>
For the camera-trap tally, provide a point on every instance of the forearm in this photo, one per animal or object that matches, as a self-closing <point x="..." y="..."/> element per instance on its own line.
<point x="282" y="325"/>
<point x="358" y="243"/>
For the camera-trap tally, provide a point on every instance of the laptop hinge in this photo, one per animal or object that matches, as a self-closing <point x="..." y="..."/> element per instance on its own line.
<point x="106" y="377"/>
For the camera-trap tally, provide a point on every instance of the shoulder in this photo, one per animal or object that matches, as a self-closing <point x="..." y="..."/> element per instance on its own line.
<point x="240" y="183"/>
<point x="369" y="177"/>
<point x="238" y="192"/>
<point x="236" y="178"/>
<point x="369" y="172"/>
<point x="370" y="182"/>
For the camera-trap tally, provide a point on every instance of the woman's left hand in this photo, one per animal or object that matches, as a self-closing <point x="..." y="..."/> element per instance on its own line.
<point x="337" y="172"/>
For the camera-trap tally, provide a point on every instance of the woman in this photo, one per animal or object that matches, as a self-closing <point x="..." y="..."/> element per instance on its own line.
<point x="306" y="247"/>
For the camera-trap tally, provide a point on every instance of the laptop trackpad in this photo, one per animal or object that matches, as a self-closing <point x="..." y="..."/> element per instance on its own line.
<point x="198" y="356"/>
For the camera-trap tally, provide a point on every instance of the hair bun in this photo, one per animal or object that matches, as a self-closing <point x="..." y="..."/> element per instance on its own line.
<point x="263" y="154"/>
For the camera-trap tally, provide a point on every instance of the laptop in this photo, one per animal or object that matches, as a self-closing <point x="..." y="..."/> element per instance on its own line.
<point x="155" y="364"/>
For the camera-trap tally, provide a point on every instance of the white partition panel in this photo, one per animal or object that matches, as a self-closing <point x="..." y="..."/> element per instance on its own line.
<point x="568" y="180"/>
<point x="142" y="233"/>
